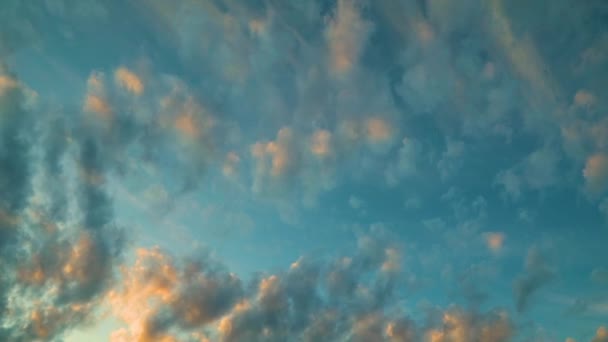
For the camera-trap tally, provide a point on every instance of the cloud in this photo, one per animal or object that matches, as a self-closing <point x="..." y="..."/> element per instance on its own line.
<point x="355" y="202"/>
<point x="495" y="241"/>
<point x="294" y="166"/>
<point x="407" y="162"/>
<point x="166" y="119"/>
<point x="458" y="326"/>
<point x="601" y="335"/>
<point x="62" y="279"/>
<point x="15" y="184"/>
<point x="451" y="159"/>
<point x="15" y="169"/>
<point x="275" y="160"/>
<point x="59" y="245"/>
<point x="321" y="144"/>
<point x="596" y="173"/>
<point x="401" y="330"/>
<point x="95" y="99"/>
<point x="537" y="273"/>
<point x="377" y="130"/>
<point x="7" y="83"/>
<point x="230" y="169"/>
<point x="583" y="98"/>
<point x="160" y="298"/>
<point x="163" y="298"/>
<point x="450" y="74"/>
<point x="537" y="171"/>
<point x="128" y="80"/>
<point x="599" y="275"/>
<point x="346" y="36"/>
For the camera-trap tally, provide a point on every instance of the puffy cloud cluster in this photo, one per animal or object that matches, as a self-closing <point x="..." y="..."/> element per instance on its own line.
<point x="166" y="122"/>
<point x="309" y="164"/>
<point x="158" y="298"/>
<point x="323" y="91"/>
<point x="350" y="298"/>
<point x="458" y="326"/>
<point x="58" y="242"/>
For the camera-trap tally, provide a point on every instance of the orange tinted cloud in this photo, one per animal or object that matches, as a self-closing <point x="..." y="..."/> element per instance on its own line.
<point x="95" y="104"/>
<point x="128" y="80"/>
<point x="278" y="151"/>
<point x="321" y="143"/>
<point x="346" y="36"/>
<point x="194" y="296"/>
<point x="7" y="83"/>
<point x="583" y="98"/>
<point x="495" y="241"/>
<point x="95" y="99"/>
<point x="231" y="163"/>
<point x="596" y="173"/>
<point x="187" y="125"/>
<point x="378" y="130"/>
<point x="146" y="285"/>
<point x="601" y="335"/>
<point x="392" y="260"/>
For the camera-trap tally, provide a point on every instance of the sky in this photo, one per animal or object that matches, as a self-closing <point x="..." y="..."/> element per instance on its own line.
<point x="288" y="170"/>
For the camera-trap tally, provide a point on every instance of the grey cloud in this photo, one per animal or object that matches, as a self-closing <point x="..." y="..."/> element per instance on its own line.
<point x="537" y="171"/>
<point x="599" y="275"/>
<point x="407" y="163"/>
<point x="15" y="168"/>
<point x="15" y="172"/>
<point x="350" y="298"/>
<point x="537" y="273"/>
<point x="52" y="278"/>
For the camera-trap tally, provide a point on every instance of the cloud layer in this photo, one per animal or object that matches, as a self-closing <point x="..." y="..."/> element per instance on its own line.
<point x="474" y="132"/>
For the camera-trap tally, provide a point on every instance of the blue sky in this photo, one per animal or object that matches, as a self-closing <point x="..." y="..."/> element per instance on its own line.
<point x="269" y="170"/>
